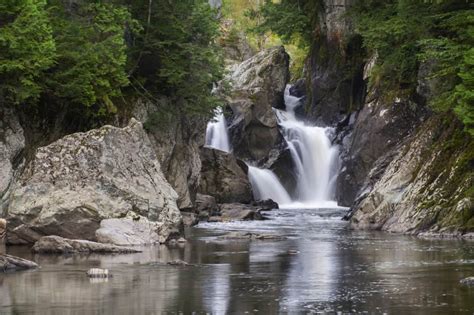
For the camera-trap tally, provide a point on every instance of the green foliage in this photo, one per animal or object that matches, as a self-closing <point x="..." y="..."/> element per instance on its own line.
<point x="91" y="60"/>
<point x="177" y="54"/>
<point x="27" y="49"/>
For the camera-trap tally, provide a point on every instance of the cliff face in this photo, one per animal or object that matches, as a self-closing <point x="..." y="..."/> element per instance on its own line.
<point x="400" y="170"/>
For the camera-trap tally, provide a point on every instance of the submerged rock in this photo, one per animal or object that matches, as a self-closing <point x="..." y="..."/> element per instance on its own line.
<point x="251" y="236"/>
<point x="469" y="281"/>
<point x="71" y="185"/>
<point x="98" y="273"/>
<point x="12" y="263"/>
<point x="223" y="177"/>
<point x="59" y="245"/>
<point x="265" y="205"/>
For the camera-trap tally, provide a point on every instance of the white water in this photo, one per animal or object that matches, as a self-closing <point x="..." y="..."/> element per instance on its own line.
<point x="216" y="132"/>
<point x="265" y="185"/>
<point x="315" y="162"/>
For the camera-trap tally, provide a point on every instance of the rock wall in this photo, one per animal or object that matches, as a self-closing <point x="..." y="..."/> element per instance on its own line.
<point x="72" y="184"/>
<point x="426" y="187"/>
<point x="257" y="85"/>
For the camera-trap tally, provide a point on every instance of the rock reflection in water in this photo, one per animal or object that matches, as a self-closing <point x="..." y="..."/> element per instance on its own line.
<point x="320" y="266"/>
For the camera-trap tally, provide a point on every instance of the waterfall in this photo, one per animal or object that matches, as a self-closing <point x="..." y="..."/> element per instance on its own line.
<point x="315" y="163"/>
<point x="216" y="132"/>
<point x="265" y="185"/>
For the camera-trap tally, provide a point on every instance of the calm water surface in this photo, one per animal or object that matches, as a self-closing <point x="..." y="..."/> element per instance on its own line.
<point x="322" y="267"/>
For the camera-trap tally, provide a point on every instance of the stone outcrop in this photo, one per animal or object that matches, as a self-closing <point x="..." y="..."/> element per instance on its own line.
<point x="10" y="263"/>
<point x="224" y="177"/>
<point x="426" y="187"/>
<point x="71" y="185"/>
<point x="58" y="245"/>
<point x="177" y="148"/>
<point x="132" y="230"/>
<point x="257" y="85"/>
<point x="12" y="143"/>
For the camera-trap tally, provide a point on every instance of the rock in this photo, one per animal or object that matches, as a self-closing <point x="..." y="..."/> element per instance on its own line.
<point x="257" y="85"/>
<point x="205" y="203"/>
<point x="293" y="252"/>
<point x="98" y="273"/>
<point x="234" y="43"/>
<point x="12" y="263"/>
<point x="419" y="190"/>
<point x="239" y="212"/>
<point x="224" y="177"/>
<point x="251" y="236"/>
<point x="469" y="281"/>
<point x="265" y="205"/>
<point x="3" y="230"/>
<point x="178" y="263"/>
<point x="189" y="219"/>
<point x="177" y="148"/>
<point x="131" y="230"/>
<point x="71" y="185"/>
<point x="215" y="219"/>
<point x="58" y="245"/>
<point x="12" y="143"/>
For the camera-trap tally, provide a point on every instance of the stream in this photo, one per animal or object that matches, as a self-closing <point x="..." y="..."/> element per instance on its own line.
<point x="321" y="267"/>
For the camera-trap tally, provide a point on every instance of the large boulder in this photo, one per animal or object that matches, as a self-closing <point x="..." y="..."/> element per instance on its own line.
<point x="71" y="185"/>
<point x="11" y="263"/>
<point x="257" y="85"/>
<point x="224" y="177"/>
<point x="132" y="230"/>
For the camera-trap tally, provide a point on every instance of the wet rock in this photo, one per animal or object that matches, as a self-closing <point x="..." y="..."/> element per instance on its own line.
<point x="71" y="185"/>
<point x="251" y="236"/>
<point x="257" y="85"/>
<point x="3" y="231"/>
<point x="239" y="212"/>
<point x="131" y="230"/>
<point x="59" y="245"/>
<point x="178" y="263"/>
<point x="98" y="273"/>
<point x="469" y="281"/>
<point x="224" y="177"/>
<point x="215" y="219"/>
<point x="12" y="263"/>
<point x="265" y="205"/>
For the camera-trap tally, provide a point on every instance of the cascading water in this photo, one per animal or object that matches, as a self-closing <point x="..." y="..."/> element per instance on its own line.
<point x="265" y="185"/>
<point x="216" y="132"/>
<point x="315" y="161"/>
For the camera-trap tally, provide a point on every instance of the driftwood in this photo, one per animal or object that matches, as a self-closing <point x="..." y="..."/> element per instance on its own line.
<point x="12" y="263"/>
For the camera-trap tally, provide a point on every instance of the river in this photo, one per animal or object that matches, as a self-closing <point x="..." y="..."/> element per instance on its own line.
<point x="321" y="267"/>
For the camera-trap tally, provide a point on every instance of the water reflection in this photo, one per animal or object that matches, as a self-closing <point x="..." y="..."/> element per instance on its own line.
<point x="333" y="270"/>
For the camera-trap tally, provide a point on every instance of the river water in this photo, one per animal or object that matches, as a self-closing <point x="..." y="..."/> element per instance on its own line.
<point x="321" y="267"/>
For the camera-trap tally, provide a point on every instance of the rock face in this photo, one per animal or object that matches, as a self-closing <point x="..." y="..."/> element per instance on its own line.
<point x="426" y="187"/>
<point x="81" y="179"/>
<point x="12" y="142"/>
<point x="12" y="263"/>
<point x="132" y="230"/>
<point x="224" y="177"/>
<point x="257" y="85"/>
<point x="335" y="66"/>
<point x="58" y="245"/>
<point x="177" y="148"/>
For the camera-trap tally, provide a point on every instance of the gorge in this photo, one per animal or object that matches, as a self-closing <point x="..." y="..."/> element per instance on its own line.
<point x="234" y="156"/>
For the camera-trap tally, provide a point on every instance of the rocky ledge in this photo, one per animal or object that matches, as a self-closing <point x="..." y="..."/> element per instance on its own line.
<point x="59" y="245"/>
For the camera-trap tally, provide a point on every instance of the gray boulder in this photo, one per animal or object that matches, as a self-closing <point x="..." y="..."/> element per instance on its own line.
<point x="257" y="85"/>
<point x="132" y="230"/>
<point x="71" y="185"/>
<point x="239" y="212"/>
<point x="224" y="177"/>
<point x="58" y="245"/>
